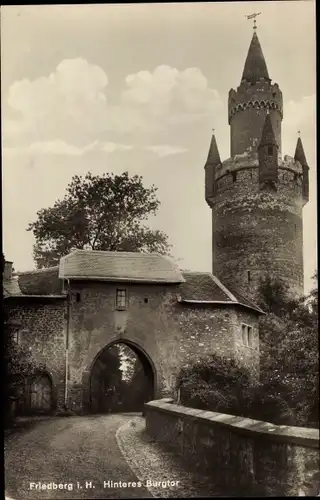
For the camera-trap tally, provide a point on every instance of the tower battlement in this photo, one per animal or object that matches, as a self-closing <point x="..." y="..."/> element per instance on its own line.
<point x="240" y="176"/>
<point x="262" y="96"/>
<point x="247" y="110"/>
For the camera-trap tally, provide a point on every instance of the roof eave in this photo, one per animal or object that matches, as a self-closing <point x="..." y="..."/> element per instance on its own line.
<point x="113" y="279"/>
<point x="25" y="295"/>
<point x="221" y="302"/>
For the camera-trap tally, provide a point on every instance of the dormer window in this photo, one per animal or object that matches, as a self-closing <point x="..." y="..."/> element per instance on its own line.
<point x="121" y="299"/>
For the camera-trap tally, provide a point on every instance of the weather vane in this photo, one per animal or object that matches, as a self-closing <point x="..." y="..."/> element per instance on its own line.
<point x="253" y="16"/>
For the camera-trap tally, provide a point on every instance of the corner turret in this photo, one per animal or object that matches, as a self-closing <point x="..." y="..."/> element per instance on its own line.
<point x="268" y="156"/>
<point x="300" y="156"/>
<point x="212" y="162"/>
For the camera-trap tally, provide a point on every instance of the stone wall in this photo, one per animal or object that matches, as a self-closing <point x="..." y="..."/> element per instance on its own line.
<point x="245" y="457"/>
<point x="255" y="231"/>
<point x="41" y="328"/>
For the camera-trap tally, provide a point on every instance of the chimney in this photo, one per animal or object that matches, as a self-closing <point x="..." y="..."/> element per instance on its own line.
<point x="7" y="272"/>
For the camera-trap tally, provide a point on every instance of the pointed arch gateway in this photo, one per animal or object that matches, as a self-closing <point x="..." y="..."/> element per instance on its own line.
<point x="104" y="389"/>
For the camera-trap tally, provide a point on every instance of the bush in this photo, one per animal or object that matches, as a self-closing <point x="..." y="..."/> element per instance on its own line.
<point x="222" y="385"/>
<point x="215" y="383"/>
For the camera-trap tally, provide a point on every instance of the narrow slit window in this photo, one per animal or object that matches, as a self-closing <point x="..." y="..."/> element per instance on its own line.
<point x="250" y="338"/>
<point x="249" y="276"/>
<point x="244" y="334"/>
<point x="16" y="337"/>
<point x="234" y="176"/>
<point x="121" y="299"/>
<point x="270" y="150"/>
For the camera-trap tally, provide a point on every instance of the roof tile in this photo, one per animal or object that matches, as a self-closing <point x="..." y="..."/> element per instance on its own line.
<point x="11" y="287"/>
<point x="115" y="266"/>
<point x="41" y="282"/>
<point x="202" y="287"/>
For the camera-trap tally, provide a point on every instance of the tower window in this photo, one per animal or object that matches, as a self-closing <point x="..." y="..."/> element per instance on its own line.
<point x="250" y="337"/>
<point x="244" y="334"/>
<point x="247" y="335"/>
<point x="270" y="151"/>
<point x="16" y="337"/>
<point x="121" y="299"/>
<point x="78" y="297"/>
<point x="146" y="300"/>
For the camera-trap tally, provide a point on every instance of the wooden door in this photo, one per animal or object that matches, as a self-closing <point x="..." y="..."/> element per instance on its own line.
<point x="41" y="394"/>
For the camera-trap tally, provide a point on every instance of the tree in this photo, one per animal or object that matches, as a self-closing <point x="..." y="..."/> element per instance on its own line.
<point x="128" y="362"/>
<point x="98" y="213"/>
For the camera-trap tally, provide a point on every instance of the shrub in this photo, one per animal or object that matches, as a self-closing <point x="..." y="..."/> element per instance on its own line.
<point x="215" y="383"/>
<point x="220" y="384"/>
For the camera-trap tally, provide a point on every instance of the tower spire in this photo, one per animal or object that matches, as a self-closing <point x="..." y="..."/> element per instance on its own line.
<point x="255" y="66"/>
<point x="213" y="155"/>
<point x="299" y="154"/>
<point x="267" y="136"/>
<point x="212" y="162"/>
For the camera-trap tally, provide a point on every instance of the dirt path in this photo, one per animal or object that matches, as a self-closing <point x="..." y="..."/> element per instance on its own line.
<point x="77" y="456"/>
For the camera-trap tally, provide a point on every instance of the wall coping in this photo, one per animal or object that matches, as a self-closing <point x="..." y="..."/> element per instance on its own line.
<point x="256" y="429"/>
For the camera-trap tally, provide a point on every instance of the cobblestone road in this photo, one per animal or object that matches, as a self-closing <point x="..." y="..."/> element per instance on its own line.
<point x="79" y="455"/>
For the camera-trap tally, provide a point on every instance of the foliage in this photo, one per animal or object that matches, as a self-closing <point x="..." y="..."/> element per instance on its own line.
<point x="98" y="213"/>
<point x="215" y="383"/>
<point x="289" y="351"/>
<point x="128" y="361"/>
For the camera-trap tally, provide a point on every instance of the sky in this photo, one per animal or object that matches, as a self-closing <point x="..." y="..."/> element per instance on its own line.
<point x="138" y="88"/>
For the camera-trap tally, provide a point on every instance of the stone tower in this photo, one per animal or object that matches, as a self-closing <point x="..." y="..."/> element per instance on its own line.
<point x="256" y="197"/>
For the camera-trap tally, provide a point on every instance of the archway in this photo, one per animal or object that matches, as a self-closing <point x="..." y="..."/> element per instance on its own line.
<point x="122" y="379"/>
